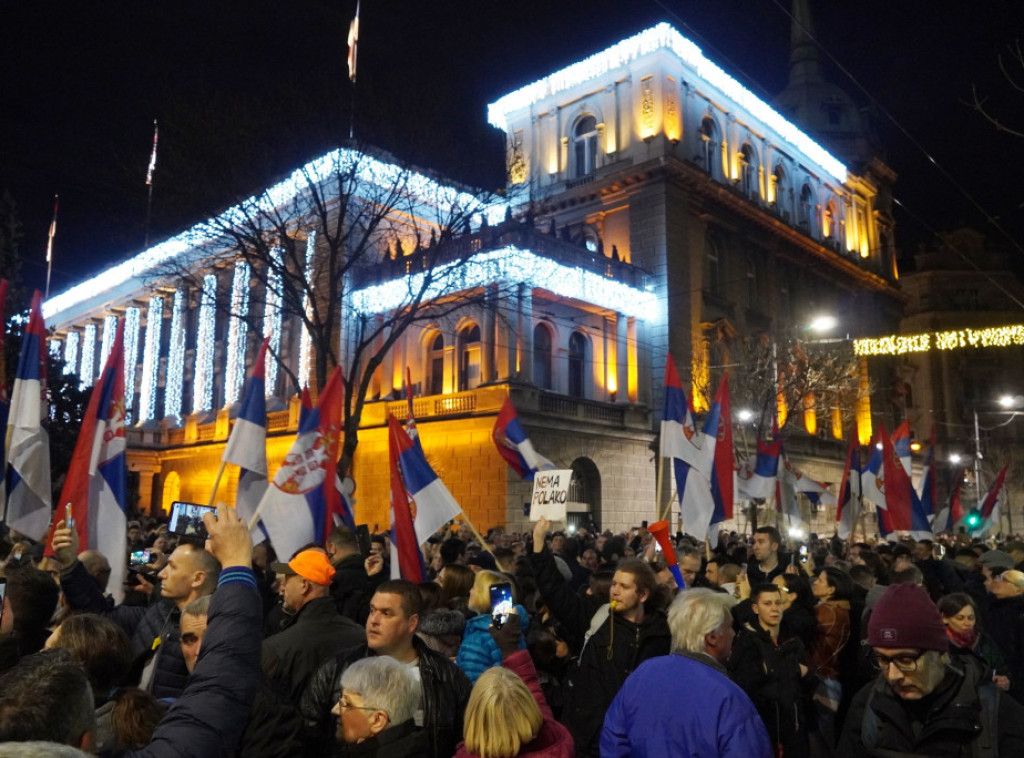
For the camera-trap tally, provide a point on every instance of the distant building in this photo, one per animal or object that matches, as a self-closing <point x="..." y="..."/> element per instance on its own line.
<point x="658" y="207"/>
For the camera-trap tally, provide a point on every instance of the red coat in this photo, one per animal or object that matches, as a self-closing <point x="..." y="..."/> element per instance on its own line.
<point x="553" y="740"/>
<point x="832" y="635"/>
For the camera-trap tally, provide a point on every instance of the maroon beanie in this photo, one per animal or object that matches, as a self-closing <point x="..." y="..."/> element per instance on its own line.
<point x="906" y="617"/>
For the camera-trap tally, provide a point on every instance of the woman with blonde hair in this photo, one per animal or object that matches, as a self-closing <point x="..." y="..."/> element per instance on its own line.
<point x="507" y="714"/>
<point x="478" y="651"/>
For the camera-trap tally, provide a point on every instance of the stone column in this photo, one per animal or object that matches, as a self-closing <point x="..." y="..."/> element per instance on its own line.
<point x="524" y="325"/>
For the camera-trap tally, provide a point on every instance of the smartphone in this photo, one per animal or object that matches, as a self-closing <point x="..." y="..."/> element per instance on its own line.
<point x="363" y="539"/>
<point x="644" y="523"/>
<point x="187" y="519"/>
<point x="140" y="558"/>
<point x="803" y="553"/>
<point x="501" y="603"/>
<point x="69" y="521"/>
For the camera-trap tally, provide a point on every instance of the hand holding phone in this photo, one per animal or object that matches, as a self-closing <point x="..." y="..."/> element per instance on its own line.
<point x="69" y="520"/>
<point x="187" y="519"/>
<point x="501" y="603"/>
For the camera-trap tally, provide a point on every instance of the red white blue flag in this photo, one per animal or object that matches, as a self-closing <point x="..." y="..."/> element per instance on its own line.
<point x="514" y="446"/>
<point x="247" y="445"/>
<point x="723" y="471"/>
<point x="95" y="482"/>
<point x="28" y="504"/>
<point x="990" y="505"/>
<point x="759" y="481"/>
<point x="894" y="484"/>
<point x="848" y="510"/>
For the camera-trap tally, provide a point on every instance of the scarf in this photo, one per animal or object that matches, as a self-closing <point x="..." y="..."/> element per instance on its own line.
<point x="966" y="639"/>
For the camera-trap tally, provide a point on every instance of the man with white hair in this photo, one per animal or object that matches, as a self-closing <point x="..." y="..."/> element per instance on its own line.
<point x="378" y="703"/>
<point x="684" y="703"/>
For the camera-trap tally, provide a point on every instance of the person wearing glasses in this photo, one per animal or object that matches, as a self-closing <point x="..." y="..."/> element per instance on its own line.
<point x="923" y="703"/>
<point x="377" y="708"/>
<point x="1004" y="622"/>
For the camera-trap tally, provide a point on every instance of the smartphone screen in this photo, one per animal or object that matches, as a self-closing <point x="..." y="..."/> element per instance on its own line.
<point x="363" y="539"/>
<point x="187" y="519"/>
<point x="501" y="603"/>
<point x="69" y="521"/>
<point x="140" y="558"/>
<point x="803" y="553"/>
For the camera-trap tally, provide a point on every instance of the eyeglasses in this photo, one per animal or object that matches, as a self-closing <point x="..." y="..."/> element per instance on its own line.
<point x="344" y="705"/>
<point x="905" y="662"/>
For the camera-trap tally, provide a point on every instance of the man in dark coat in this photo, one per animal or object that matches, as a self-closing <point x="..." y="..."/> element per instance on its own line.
<point x="770" y="666"/>
<point x="922" y="703"/>
<point x="612" y="641"/>
<point x="191" y="572"/>
<point x="351" y="587"/>
<point x="395" y="610"/>
<point x="289" y="657"/>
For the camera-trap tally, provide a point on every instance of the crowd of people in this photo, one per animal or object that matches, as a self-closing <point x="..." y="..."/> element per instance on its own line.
<point x="821" y="647"/>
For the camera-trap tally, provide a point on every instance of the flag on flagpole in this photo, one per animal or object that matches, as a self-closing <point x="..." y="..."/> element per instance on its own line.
<point x="759" y="481"/>
<point x="870" y="475"/>
<point x="926" y="486"/>
<point x="305" y="405"/>
<point x="247" y="445"/>
<point x="406" y="558"/>
<point x="28" y="444"/>
<point x="696" y="502"/>
<point x="338" y="508"/>
<point x="514" y="446"/>
<point x="901" y="444"/>
<point x="680" y="439"/>
<point x="723" y="470"/>
<point x="434" y="505"/>
<point x="849" y="494"/>
<point x="990" y="505"/>
<point x="895" y="487"/>
<point x="294" y="510"/>
<point x="152" y="157"/>
<point x="95" y="482"/>
<point x="353" y="43"/>
<point x="5" y="398"/>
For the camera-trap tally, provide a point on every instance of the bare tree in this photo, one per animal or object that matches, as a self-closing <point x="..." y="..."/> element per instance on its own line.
<point x="338" y="227"/>
<point x="1011" y="65"/>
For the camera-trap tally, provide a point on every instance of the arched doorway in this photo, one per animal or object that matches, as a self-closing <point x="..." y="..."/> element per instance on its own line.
<point x="584" y="506"/>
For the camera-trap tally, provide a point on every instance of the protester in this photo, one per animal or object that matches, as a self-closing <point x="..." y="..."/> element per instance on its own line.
<point x="684" y="704"/>
<point x="507" y="714"/>
<point x="612" y="641"/>
<point x="798" y="603"/>
<point x="689" y="564"/>
<point x="833" y="589"/>
<point x="923" y="702"/>
<point x="478" y="651"/>
<point x="376" y="711"/>
<point x="766" y="564"/>
<point x="291" y="656"/>
<point x="190" y="573"/>
<point x="351" y="587"/>
<point x="960" y="615"/>
<point x="1004" y="621"/>
<point x="391" y="630"/>
<point x="30" y="603"/>
<point x="771" y="667"/>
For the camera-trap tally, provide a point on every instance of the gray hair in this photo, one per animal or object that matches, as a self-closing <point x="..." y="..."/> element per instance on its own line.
<point x="384" y="684"/>
<point x="696" y="613"/>
<point x="39" y="750"/>
<point x="199" y="607"/>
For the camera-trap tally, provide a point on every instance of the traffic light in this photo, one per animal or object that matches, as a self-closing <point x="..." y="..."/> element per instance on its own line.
<point x="973" y="519"/>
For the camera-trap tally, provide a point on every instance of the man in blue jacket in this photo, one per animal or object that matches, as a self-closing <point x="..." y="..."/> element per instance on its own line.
<point x="684" y="703"/>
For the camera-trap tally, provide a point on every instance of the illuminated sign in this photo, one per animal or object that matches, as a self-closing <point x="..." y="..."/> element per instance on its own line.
<point x="955" y="339"/>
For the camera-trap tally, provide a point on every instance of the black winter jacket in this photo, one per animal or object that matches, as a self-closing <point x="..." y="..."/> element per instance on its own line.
<point x="291" y="656"/>
<point x="351" y="588"/>
<point x="274" y="729"/>
<point x="142" y="624"/>
<point x="209" y="717"/>
<point x="595" y="681"/>
<point x="769" y="673"/>
<point x="948" y="725"/>
<point x="445" y="693"/>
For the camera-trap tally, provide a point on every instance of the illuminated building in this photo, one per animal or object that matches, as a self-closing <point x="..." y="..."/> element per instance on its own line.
<point x="657" y="206"/>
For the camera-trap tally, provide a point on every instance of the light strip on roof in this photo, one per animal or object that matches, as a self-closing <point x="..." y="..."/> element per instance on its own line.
<point x="87" y="374"/>
<point x="510" y="264"/>
<point x="151" y="359"/>
<point x="237" y="330"/>
<point x="202" y="386"/>
<point x="174" y="392"/>
<point x="663" y="36"/>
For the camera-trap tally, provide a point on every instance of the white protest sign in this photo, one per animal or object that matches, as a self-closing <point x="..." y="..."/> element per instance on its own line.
<point x="550" y="494"/>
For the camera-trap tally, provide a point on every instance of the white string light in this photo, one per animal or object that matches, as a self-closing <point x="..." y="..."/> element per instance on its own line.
<point x="237" y="331"/>
<point x="174" y="389"/>
<point x="107" y="341"/>
<point x="202" y="386"/>
<point x="272" y="318"/>
<point x="131" y="358"/>
<point x="664" y="37"/>
<point x="71" y="342"/>
<point x="306" y="342"/>
<point x="151" y="359"/>
<point x="88" y="371"/>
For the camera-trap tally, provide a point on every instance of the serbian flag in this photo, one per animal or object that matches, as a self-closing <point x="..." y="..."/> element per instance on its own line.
<point x="247" y="445"/>
<point x="294" y="509"/>
<point x="723" y="470"/>
<point x="406" y="557"/>
<point x="28" y="445"/>
<point x="760" y="481"/>
<point x="514" y="446"/>
<point x="895" y="486"/>
<point x="339" y="507"/>
<point x="952" y="510"/>
<point x="786" y="501"/>
<point x="990" y="505"/>
<point x="5" y="398"/>
<point x="848" y="510"/>
<point x="926" y="487"/>
<point x="696" y="502"/>
<point x="680" y="439"/>
<point x="901" y="444"/>
<point x="95" y="482"/>
<point x="305" y="405"/>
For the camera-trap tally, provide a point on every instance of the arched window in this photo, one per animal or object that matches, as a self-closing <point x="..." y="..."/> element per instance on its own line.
<point x="708" y="133"/>
<point x="435" y="365"/>
<point x="171" y="491"/>
<point x="542" y="356"/>
<point x="828" y="222"/>
<point x="469" y="358"/>
<point x="806" y="208"/>
<point x="577" y="364"/>
<point x="584" y="494"/>
<point x="748" y="170"/>
<point x="585" y="146"/>
<point x="714" y="266"/>
<point x="782" y="198"/>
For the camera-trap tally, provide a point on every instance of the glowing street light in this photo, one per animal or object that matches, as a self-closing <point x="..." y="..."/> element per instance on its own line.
<point x="954" y="458"/>
<point x="745" y="414"/>
<point x="823" y="323"/>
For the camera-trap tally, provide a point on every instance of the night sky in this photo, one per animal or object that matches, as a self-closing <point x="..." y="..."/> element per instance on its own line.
<point x="245" y="91"/>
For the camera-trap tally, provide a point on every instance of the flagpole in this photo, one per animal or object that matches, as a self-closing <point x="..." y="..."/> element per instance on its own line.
<point x="149" y="182"/>
<point x="49" y="246"/>
<point x="353" y="46"/>
<point x="216" y="481"/>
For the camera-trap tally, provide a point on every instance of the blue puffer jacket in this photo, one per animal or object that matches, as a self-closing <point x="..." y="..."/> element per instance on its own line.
<point x="682" y="705"/>
<point x="478" y="651"/>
